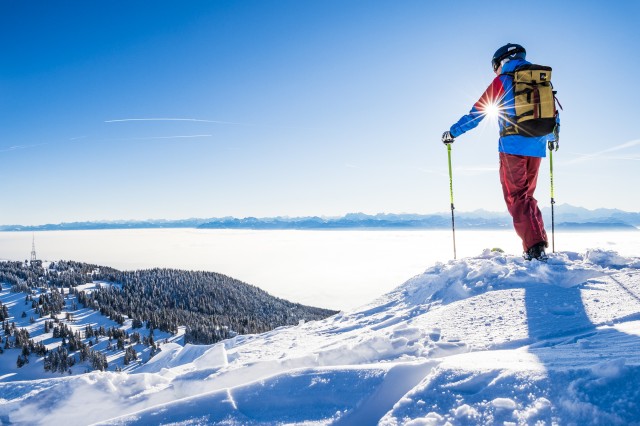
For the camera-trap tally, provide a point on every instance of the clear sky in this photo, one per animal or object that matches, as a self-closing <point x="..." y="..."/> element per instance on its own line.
<point x="175" y="109"/>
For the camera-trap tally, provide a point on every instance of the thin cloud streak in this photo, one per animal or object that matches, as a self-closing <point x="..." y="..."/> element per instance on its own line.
<point x="599" y="154"/>
<point x="160" y="137"/>
<point x="19" y="147"/>
<point x="430" y="171"/>
<point x="197" y="120"/>
<point x="474" y="171"/>
<point x="623" y="158"/>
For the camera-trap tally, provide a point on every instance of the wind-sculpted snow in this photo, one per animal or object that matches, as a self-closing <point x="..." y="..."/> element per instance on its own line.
<point x="482" y="340"/>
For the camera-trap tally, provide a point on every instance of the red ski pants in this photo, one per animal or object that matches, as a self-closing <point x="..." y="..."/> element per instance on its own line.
<point x="519" y="176"/>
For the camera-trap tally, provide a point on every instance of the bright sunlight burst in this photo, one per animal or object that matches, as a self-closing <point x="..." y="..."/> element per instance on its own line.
<point x="492" y="110"/>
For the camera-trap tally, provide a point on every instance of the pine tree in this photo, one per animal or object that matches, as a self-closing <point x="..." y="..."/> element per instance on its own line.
<point x="21" y="361"/>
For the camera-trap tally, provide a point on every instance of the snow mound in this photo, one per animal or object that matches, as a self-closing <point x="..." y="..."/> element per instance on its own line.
<point x="494" y="271"/>
<point x="483" y="340"/>
<point x="174" y="355"/>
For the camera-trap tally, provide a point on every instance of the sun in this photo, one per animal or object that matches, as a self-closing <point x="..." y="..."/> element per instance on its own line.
<point x="492" y="110"/>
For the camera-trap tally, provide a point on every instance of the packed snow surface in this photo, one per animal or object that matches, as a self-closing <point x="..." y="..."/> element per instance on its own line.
<point x="491" y="339"/>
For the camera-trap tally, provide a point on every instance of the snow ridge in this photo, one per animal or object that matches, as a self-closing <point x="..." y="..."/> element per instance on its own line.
<point x="482" y="340"/>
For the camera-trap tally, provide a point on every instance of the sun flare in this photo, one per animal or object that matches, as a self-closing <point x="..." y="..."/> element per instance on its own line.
<point x="492" y="111"/>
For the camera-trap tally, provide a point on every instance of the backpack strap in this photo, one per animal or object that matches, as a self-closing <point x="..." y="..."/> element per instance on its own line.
<point x="556" y="99"/>
<point x="510" y="127"/>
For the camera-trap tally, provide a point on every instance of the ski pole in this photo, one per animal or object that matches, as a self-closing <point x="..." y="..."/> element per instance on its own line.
<point x="553" y="239"/>
<point x="453" y="222"/>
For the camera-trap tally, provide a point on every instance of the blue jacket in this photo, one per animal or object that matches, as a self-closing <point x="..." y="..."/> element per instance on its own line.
<point x="500" y="93"/>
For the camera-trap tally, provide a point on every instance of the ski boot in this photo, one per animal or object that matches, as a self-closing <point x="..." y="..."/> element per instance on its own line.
<point x="537" y="252"/>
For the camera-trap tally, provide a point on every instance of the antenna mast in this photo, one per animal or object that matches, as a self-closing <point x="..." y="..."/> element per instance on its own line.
<point x="33" y="250"/>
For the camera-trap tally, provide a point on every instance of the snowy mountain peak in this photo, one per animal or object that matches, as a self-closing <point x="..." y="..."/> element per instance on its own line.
<point x="482" y="340"/>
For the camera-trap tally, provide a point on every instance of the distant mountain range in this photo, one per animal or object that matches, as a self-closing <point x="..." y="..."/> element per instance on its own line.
<point x="567" y="217"/>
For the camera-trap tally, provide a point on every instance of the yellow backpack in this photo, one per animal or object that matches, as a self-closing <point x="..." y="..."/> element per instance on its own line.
<point x="535" y="102"/>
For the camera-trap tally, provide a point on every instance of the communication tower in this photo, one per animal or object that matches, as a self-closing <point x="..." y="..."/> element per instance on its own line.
<point x="33" y="250"/>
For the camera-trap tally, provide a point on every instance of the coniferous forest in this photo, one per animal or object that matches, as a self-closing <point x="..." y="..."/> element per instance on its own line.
<point x="211" y="306"/>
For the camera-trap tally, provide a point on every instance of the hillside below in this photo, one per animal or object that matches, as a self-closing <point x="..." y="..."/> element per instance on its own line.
<point x="65" y="317"/>
<point x="485" y="340"/>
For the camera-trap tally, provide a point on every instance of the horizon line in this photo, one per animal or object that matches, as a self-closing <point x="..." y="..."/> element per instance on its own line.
<point x="151" y="220"/>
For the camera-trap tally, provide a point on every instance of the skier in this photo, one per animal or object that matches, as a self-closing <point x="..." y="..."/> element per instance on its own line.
<point x="520" y="151"/>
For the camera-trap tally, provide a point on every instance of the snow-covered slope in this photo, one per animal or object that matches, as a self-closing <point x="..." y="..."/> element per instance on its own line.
<point x="482" y="340"/>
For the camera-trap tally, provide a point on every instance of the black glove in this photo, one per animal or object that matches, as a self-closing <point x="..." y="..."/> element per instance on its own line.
<point x="554" y="144"/>
<point x="447" y="138"/>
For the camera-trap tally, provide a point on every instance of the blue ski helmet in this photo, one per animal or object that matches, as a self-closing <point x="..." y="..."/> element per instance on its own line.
<point x="509" y="50"/>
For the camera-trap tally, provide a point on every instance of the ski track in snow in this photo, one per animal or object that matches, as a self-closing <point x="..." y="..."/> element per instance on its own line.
<point x="486" y="340"/>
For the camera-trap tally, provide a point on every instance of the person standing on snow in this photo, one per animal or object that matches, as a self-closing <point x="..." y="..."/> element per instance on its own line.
<point x="521" y="147"/>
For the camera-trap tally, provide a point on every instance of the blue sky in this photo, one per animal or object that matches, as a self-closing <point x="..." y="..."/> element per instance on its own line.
<point x="297" y="107"/>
